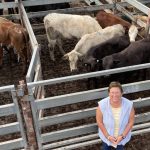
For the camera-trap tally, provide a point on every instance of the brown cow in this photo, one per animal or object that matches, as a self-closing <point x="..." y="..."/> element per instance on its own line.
<point x="14" y="36"/>
<point x="108" y="19"/>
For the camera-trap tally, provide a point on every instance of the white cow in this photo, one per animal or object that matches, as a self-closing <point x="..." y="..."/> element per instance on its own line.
<point x="59" y="26"/>
<point x="90" y="40"/>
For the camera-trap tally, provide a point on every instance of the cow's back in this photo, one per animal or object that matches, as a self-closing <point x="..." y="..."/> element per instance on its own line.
<point x="136" y="53"/>
<point x="72" y="25"/>
<point x="3" y="20"/>
<point x="4" y="29"/>
<point x="114" y="45"/>
<point x="108" y="19"/>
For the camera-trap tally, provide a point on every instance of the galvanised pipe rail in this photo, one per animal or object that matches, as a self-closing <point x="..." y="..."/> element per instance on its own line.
<point x="139" y="6"/>
<point x="7" y="88"/>
<point x="89" y="75"/>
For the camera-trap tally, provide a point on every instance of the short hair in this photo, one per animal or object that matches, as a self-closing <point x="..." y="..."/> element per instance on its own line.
<point x="115" y="84"/>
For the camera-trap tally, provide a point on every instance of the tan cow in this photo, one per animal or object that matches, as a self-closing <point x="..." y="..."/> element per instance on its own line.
<point x="15" y="37"/>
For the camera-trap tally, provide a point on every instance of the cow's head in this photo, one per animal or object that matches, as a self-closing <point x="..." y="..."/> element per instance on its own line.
<point x="91" y="63"/>
<point x="109" y="62"/>
<point x="133" y="31"/>
<point x="73" y="57"/>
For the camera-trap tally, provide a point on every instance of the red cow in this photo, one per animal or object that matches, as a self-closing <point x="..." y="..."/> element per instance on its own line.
<point x="14" y="36"/>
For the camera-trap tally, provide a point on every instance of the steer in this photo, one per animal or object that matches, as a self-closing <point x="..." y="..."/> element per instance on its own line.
<point x="66" y="26"/>
<point x="95" y="54"/>
<point x="108" y="19"/>
<point x="136" y="53"/>
<point x="15" y="37"/>
<point x="90" y="40"/>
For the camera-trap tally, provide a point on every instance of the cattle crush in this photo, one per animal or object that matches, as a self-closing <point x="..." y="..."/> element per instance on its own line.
<point x="52" y="108"/>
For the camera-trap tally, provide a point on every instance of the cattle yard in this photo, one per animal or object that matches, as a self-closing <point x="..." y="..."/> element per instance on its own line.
<point x="55" y="108"/>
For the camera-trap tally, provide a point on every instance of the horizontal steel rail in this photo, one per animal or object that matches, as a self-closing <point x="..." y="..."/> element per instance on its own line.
<point x="8" y="5"/>
<point x="128" y="14"/>
<point x="87" y="9"/>
<point x="69" y="133"/>
<point x="89" y="75"/>
<point x="8" y="109"/>
<point x="90" y="137"/>
<point x="95" y="141"/>
<point x="139" y="6"/>
<point x="12" y="144"/>
<point x="44" y="2"/>
<point x="88" y="95"/>
<point x="71" y="141"/>
<point x="76" y="10"/>
<point x="84" y="113"/>
<point x="9" y="128"/>
<point x="7" y="88"/>
<point x="32" y="3"/>
<point x="85" y="129"/>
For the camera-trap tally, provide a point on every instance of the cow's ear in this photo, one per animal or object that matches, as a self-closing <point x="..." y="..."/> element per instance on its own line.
<point x="65" y="57"/>
<point x="116" y="61"/>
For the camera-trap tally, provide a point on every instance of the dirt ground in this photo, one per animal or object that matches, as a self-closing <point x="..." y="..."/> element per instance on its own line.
<point x="11" y="74"/>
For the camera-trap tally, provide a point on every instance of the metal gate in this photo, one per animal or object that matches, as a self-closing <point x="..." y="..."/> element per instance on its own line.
<point x="63" y="139"/>
<point x="14" y="127"/>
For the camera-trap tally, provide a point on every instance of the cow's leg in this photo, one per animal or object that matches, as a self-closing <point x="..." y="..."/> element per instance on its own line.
<point x="12" y="55"/>
<point x="59" y="43"/>
<point x="51" y="46"/>
<point x="51" y="52"/>
<point x="1" y="56"/>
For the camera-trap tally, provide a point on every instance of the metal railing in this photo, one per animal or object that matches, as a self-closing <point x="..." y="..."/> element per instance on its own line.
<point x="15" y="127"/>
<point x="35" y="82"/>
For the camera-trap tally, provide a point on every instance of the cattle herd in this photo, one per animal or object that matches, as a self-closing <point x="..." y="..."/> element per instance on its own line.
<point x="104" y="42"/>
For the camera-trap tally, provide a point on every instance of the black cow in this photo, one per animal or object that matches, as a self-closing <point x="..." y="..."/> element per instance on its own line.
<point x="136" y="53"/>
<point x="94" y="56"/>
<point x="93" y="59"/>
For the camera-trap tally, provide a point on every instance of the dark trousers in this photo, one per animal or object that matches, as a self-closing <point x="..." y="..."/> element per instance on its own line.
<point x="106" y="147"/>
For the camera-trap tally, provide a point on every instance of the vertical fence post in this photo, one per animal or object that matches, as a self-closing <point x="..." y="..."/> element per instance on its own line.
<point x="19" y="117"/>
<point x="27" y="116"/>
